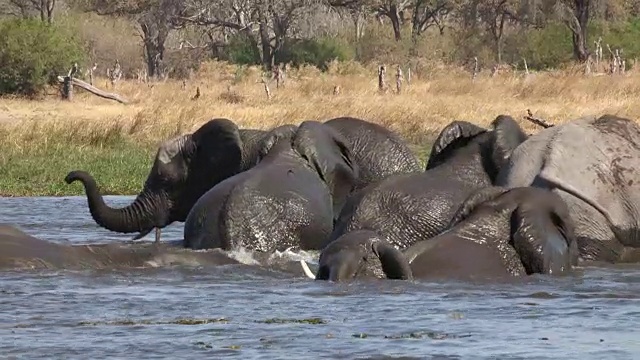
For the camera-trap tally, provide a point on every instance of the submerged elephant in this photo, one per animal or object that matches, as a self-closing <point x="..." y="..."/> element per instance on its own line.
<point x="287" y="200"/>
<point x="18" y="250"/>
<point x="592" y="164"/>
<point x="187" y="166"/>
<point x="407" y="208"/>
<point x="496" y="232"/>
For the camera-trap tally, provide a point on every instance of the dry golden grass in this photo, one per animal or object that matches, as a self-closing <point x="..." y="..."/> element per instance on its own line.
<point x="429" y="103"/>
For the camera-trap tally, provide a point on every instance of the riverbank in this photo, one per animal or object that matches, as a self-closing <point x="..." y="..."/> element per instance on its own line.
<point x="42" y="140"/>
<point x="119" y="170"/>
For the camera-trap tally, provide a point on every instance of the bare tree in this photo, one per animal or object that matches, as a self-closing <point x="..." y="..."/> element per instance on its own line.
<point x="495" y="14"/>
<point x="156" y="18"/>
<point x="427" y="13"/>
<point x="576" y="15"/>
<point x="266" y="23"/>
<point x="28" y="8"/>
<point x="394" y="11"/>
<point x="357" y="11"/>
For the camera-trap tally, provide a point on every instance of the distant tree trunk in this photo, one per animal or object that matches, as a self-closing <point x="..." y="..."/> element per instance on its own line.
<point x="580" y="37"/>
<point x="265" y="41"/>
<point x="498" y="32"/>
<point x="358" y="21"/>
<point x="578" y="22"/>
<point x="46" y="10"/>
<point x="416" y="22"/>
<point x="154" y="38"/>
<point x="280" y="29"/>
<point x="394" y="16"/>
<point x="470" y="15"/>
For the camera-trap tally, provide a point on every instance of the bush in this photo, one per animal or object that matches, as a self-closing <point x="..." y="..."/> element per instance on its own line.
<point x="318" y="52"/>
<point x="548" y="47"/>
<point x="33" y="53"/>
<point x="242" y="50"/>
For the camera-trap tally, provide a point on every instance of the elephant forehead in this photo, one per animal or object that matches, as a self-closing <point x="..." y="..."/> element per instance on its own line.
<point x="170" y="148"/>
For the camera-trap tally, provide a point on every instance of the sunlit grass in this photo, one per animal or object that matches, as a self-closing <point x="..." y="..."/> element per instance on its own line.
<point x="42" y="140"/>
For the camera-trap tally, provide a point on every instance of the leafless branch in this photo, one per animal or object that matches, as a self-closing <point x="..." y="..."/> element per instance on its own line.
<point x="537" y="121"/>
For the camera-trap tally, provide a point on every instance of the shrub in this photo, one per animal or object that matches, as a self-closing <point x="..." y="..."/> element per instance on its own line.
<point x="546" y="48"/>
<point x="242" y="50"/>
<point x="318" y="52"/>
<point x="33" y="53"/>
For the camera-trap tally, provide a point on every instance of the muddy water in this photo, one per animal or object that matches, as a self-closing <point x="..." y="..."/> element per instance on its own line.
<point x="249" y="312"/>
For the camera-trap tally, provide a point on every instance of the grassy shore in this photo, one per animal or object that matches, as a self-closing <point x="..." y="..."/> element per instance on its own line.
<point x="42" y="140"/>
<point x="118" y="170"/>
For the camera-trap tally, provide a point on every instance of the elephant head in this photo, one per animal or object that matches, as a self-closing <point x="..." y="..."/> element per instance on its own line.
<point x="330" y="155"/>
<point x="359" y="254"/>
<point x="538" y="222"/>
<point x="283" y="133"/>
<point x="464" y="140"/>
<point x="184" y="168"/>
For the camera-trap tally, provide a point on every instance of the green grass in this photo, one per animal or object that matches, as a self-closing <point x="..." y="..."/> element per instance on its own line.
<point x="119" y="169"/>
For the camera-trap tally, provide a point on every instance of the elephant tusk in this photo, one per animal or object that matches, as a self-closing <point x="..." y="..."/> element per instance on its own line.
<point x="306" y="269"/>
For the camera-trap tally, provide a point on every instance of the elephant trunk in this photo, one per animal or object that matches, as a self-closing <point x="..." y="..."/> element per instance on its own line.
<point x="545" y="242"/>
<point x="140" y="216"/>
<point x="394" y="264"/>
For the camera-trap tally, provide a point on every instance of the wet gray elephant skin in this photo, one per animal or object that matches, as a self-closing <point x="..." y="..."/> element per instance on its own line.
<point x="187" y="166"/>
<point x="378" y="151"/>
<point x="592" y="163"/>
<point x="464" y="158"/>
<point x="184" y="168"/>
<point x="18" y="250"/>
<point x="287" y="200"/>
<point x="496" y="233"/>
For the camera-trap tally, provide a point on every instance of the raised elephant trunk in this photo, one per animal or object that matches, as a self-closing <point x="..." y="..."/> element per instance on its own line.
<point x="140" y="216"/>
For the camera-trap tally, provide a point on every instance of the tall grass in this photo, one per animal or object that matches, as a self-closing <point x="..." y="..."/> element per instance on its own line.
<point x="56" y="129"/>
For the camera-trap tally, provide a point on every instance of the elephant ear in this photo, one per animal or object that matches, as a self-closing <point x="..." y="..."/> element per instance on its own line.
<point x="280" y="133"/>
<point x="168" y="149"/>
<point x="394" y="264"/>
<point x="329" y="153"/>
<point x="216" y="149"/>
<point x="543" y="234"/>
<point x="454" y="136"/>
<point x="474" y="200"/>
<point x="507" y="136"/>
<point x="168" y="165"/>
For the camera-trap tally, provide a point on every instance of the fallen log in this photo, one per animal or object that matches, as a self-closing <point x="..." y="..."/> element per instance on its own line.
<point x="92" y="89"/>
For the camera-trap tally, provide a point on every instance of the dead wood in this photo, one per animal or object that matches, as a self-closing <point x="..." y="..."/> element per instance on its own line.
<point x="92" y="89"/>
<point x="537" y="121"/>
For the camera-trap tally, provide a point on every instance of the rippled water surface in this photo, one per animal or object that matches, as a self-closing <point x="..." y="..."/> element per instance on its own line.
<point x="246" y="312"/>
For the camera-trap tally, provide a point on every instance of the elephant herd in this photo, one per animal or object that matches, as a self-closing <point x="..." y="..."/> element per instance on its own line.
<point x="489" y="202"/>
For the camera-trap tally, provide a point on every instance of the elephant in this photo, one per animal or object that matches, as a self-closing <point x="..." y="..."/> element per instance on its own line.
<point x="287" y="200"/>
<point x="187" y="166"/>
<point x="378" y="151"/>
<point x="496" y="233"/>
<point x="591" y="163"/>
<point x="464" y="158"/>
<point x="184" y="168"/>
<point x="18" y="250"/>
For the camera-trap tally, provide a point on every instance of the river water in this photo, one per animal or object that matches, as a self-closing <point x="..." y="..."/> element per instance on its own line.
<point x="251" y="312"/>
